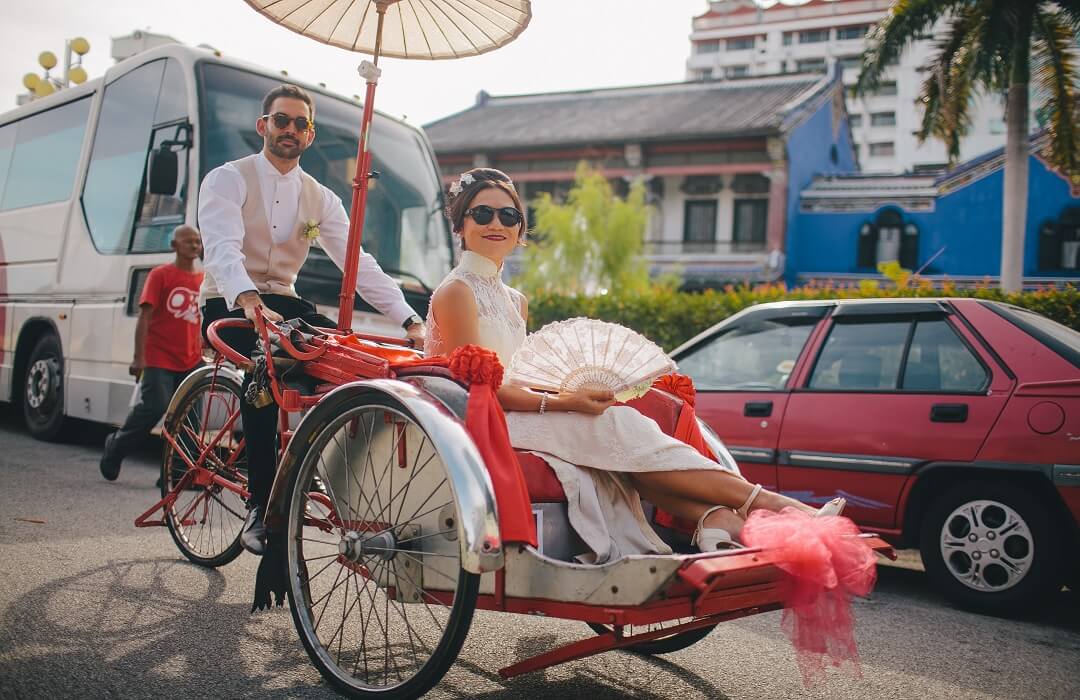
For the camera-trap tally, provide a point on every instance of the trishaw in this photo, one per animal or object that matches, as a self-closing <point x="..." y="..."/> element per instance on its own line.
<point x="389" y="518"/>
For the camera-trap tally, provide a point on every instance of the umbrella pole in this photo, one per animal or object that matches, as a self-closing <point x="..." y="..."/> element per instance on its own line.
<point x="370" y="72"/>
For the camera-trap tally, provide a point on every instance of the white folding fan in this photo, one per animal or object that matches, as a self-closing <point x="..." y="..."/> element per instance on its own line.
<point x="583" y="353"/>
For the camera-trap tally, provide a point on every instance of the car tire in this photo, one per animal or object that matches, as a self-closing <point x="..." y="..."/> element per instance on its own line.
<point x="42" y="389"/>
<point x="991" y="548"/>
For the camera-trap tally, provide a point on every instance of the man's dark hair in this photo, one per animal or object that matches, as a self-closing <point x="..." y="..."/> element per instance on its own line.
<point x="292" y="91"/>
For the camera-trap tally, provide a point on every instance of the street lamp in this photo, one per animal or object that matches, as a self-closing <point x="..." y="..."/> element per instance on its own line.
<point x="74" y="73"/>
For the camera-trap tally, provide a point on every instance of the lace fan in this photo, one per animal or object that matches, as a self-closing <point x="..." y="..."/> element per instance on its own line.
<point x="583" y="353"/>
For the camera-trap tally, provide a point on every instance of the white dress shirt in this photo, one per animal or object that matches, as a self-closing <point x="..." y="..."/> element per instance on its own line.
<point x="221" y="224"/>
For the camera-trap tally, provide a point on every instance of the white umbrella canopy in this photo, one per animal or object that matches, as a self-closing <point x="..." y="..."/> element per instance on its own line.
<point x="420" y="29"/>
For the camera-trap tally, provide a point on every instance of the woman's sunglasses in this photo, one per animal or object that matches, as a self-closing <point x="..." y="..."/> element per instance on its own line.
<point x="282" y="120"/>
<point x="483" y="214"/>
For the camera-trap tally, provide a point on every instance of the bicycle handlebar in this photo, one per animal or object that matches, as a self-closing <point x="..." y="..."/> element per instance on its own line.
<point x="230" y="354"/>
<point x="221" y="346"/>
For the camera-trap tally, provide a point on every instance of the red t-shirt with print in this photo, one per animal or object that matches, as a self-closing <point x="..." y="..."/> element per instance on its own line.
<point x="174" y="337"/>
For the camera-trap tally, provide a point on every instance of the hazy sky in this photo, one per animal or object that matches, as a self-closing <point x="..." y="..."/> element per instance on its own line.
<point x="570" y="44"/>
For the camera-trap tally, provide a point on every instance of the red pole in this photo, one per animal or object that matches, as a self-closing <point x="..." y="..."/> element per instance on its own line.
<point x="360" y="191"/>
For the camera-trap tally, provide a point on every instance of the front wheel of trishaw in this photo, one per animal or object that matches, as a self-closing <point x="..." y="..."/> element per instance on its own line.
<point x="376" y="587"/>
<point x="205" y="521"/>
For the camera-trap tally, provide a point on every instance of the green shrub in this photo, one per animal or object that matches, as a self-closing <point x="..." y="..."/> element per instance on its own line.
<point x="670" y="318"/>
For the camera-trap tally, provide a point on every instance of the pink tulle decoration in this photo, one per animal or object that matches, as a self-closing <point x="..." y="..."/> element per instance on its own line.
<point x="826" y="564"/>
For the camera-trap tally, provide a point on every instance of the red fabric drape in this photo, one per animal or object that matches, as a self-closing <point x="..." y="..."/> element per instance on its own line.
<point x="484" y="419"/>
<point x="826" y="563"/>
<point x="686" y="430"/>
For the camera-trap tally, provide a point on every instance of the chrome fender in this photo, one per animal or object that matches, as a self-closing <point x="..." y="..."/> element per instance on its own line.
<point x="478" y="524"/>
<point x="197" y="376"/>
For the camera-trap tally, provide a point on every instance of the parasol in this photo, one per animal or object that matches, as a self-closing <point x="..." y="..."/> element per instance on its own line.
<point x="417" y="29"/>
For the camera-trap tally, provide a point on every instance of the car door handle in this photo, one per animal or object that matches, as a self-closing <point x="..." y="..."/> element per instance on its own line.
<point x="757" y="409"/>
<point x="949" y="412"/>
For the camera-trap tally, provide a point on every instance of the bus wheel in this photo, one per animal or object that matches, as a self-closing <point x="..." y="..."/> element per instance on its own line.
<point x="43" y="389"/>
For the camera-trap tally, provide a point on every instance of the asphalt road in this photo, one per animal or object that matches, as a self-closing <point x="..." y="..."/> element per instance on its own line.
<point x="92" y="607"/>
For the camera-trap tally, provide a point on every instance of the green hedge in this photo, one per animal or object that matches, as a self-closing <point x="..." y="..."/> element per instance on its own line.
<point x="669" y="317"/>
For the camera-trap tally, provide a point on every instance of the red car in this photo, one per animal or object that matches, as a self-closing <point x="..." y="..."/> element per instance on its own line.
<point x="948" y="424"/>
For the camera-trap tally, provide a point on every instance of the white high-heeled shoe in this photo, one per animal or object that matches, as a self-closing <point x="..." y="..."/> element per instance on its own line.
<point x="712" y="539"/>
<point x="833" y="507"/>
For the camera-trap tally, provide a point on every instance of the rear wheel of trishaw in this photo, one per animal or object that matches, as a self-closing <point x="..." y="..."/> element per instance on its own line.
<point x="376" y="587"/>
<point x="206" y="521"/>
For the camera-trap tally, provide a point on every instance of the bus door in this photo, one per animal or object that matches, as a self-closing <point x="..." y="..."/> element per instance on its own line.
<point x="144" y="113"/>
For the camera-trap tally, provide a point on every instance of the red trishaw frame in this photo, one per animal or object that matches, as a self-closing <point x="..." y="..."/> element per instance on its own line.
<point x="709" y="588"/>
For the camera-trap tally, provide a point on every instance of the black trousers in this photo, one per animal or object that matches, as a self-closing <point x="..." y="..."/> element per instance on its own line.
<point x="260" y="424"/>
<point x="156" y="388"/>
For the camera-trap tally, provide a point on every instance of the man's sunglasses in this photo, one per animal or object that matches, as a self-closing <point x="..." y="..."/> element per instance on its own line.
<point x="282" y="120"/>
<point x="483" y="214"/>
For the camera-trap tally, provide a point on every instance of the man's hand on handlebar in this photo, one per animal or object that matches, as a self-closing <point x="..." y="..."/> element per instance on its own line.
<point x="250" y="301"/>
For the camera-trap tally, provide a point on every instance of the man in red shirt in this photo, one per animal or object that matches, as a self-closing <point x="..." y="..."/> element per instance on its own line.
<point x="168" y="345"/>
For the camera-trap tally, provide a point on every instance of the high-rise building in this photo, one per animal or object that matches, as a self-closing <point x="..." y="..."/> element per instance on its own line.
<point x="735" y="39"/>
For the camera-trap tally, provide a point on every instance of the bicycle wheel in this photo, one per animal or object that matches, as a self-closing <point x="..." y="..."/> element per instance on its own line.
<point x="376" y="587"/>
<point x="661" y="645"/>
<point x="206" y="518"/>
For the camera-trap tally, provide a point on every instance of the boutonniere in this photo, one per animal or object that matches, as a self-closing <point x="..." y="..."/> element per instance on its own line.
<point x="311" y="230"/>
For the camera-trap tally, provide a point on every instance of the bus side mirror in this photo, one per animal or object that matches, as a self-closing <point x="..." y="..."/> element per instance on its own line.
<point x="164" y="170"/>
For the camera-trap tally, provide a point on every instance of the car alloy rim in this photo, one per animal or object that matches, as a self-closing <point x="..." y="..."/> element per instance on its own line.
<point x="987" y="546"/>
<point x="40" y="384"/>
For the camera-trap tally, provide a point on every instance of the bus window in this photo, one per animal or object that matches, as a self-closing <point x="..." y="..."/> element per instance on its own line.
<point x="403" y="226"/>
<point x="7" y="147"/>
<point x="46" y="154"/>
<point x="159" y="214"/>
<point x="120" y="214"/>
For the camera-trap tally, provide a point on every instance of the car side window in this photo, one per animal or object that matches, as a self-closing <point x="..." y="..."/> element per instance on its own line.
<point x="758" y="356"/>
<point x="861" y="357"/>
<point x="939" y="361"/>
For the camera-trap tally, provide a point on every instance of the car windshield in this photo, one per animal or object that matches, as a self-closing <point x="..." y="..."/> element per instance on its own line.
<point x="403" y="227"/>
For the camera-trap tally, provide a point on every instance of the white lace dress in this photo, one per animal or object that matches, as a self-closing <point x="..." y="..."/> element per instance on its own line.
<point x="590" y="455"/>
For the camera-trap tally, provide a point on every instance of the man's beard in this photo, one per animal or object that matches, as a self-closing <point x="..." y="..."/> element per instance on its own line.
<point x="287" y="151"/>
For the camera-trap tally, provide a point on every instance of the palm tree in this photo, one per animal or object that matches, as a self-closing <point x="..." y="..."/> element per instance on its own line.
<point x="998" y="46"/>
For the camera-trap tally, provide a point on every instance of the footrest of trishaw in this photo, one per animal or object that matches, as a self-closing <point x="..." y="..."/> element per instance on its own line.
<point x="744" y="577"/>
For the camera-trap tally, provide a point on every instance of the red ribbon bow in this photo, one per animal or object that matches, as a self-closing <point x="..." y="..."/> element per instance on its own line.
<point x="678" y="384"/>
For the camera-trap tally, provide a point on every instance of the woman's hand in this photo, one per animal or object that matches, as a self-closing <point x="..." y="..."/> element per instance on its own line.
<point x="591" y="402"/>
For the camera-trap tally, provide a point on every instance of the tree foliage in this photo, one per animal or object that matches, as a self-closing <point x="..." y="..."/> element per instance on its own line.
<point x="987" y="45"/>
<point x="591" y="244"/>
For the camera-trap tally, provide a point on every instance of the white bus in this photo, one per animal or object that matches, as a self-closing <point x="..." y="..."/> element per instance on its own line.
<point x="81" y="225"/>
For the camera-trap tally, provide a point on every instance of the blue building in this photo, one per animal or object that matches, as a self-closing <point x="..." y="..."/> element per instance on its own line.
<point x="945" y="225"/>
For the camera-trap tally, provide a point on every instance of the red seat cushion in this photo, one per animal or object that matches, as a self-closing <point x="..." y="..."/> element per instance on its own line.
<point x="545" y="487"/>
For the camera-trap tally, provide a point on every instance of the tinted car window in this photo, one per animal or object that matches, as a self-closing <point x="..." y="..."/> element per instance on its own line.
<point x="940" y="361"/>
<point x="861" y="356"/>
<point x="755" y="356"/>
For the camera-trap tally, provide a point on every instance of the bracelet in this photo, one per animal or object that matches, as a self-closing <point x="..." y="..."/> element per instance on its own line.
<point x="543" y="403"/>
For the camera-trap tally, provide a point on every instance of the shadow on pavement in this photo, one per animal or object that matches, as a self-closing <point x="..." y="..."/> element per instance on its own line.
<point x="154" y="628"/>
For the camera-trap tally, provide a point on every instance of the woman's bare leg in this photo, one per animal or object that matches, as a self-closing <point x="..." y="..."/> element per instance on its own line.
<point x="692" y="510"/>
<point x="712" y="487"/>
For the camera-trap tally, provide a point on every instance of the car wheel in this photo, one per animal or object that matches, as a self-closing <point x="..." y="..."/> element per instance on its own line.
<point x="991" y="548"/>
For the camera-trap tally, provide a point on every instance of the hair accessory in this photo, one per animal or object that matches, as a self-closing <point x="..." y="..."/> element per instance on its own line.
<point x="465" y="179"/>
